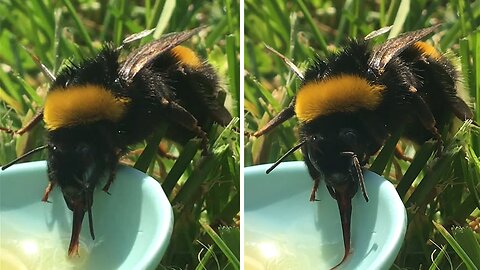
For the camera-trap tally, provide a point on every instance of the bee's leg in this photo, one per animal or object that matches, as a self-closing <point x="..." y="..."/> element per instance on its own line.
<point x="281" y="117"/>
<point x="315" y="177"/>
<point x="426" y="118"/>
<point x="31" y="124"/>
<point x="163" y="152"/>
<point x="313" y="193"/>
<point x="184" y="118"/>
<point x="398" y="169"/>
<point x="461" y="109"/>
<point x="48" y="189"/>
<point x="111" y="177"/>
<point x="401" y="155"/>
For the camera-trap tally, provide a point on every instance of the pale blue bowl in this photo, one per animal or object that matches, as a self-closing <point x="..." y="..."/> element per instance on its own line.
<point x="283" y="230"/>
<point x="133" y="225"/>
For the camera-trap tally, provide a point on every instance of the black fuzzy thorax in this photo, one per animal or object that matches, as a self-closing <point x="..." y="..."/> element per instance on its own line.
<point x="100" y="70"/>
<point x="352" y="60"/>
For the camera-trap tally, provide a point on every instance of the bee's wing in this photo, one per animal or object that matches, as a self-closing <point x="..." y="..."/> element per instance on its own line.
<point x="382" y="54"/>
<point x="143" y="56"/>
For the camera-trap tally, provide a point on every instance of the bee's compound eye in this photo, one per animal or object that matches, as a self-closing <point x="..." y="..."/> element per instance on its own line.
<point x="317" y="138"/>
<point x="55" y="149"/>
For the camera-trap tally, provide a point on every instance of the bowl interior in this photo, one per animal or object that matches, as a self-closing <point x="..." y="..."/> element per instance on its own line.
<point x="283" y="230"/>
<point x="132" y="225"/>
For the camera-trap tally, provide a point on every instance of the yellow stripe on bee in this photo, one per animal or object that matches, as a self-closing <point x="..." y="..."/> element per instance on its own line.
<point x="427" y="49"/>
<point x="80" y="105"/>
<point x="186" y="56"/>
<point x="344" y="93"/>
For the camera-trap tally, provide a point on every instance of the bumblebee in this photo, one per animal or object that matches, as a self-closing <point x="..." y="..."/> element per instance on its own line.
<point x="351" y="102"/>
<point x="95" y="109"/>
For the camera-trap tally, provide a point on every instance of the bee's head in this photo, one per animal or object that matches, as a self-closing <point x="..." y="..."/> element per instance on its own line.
<point x="77" y="161"/>
<point x="76" y="168"/>
<point x="337" y="148"/>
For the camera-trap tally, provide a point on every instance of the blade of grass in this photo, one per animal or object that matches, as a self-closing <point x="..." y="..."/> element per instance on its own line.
<point x="119" y="21"/>
<point x="454" y="244"/>
<point x="471" y="170"/>
<point x="419" y="162"/>
<point x="231" y="237"/>
<point x="435" y="264"/>
<point x="378" y="166"/>
<point x="80" y="26"/>
<point x="461" y="15"/>
<point x="231" y="209"/>
<point x="32" y="94"/>
<point x="440" y="171"/>
<point x="12" y="102"/>
<point x="180" y="166"/>
<point x="151" y="149"/>
<point x="203" y="262"/>
<point x="466" y="239"/>
<point x="400" y="18"/>
<point x="476" y="68"/>
<point x="233" y="72"/>
<point x="11" y="91"/>
<point x="223" y="247"/>
<point x="154" y="14"/>
<point x="318" y="36"/>
<point x="165" y="16"/>
<point x="199" y="174"/>
<point x="107" y="18"/>
<point x="262" y="92"/>
<point x="230" y="17"/>
<point x="216" y="32"/>
<point x="44" y="13"/>
<point x="278" y="16"/>
<point x="465" y="58"/>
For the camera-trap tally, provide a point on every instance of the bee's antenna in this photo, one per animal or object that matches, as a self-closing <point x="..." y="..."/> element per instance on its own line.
<point x="90" y="222"/>
<point x="7" y="130"/>
<point x="293" y="149"/>
<point x="361" y="180"/>
<point x="359" y="173"/>
<point x="90" y="216"/>
<point x="24" y="156"/>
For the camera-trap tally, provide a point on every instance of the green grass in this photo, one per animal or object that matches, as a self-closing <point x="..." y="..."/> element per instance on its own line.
<point x="204" y="190"/>
<point x="441" y="194"/>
